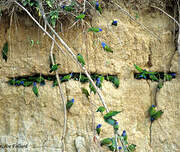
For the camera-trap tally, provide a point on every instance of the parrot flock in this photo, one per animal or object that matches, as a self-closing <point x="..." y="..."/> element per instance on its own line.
<point x="98" y="79"/>
<point x="28" y="81"/>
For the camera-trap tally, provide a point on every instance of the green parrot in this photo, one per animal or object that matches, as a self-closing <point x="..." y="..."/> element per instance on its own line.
<point x="110" y="121"/>
<point x="68" y="8"/>
<point x="80" y="16"/>
<point x="35" y="89"/>
<point x="98" y="128"/>
<point x="83" y="78"/>
<point x="138" y="68"/>
<point x="99" y="81"/>
<point x="109" y="78"/>
<point x="40" y="80"/>
<point x="69" y="104"/>
<point x="5" y="51"/>
<point x="112" y="147"/>
<point x="101" y="109"/>
<point x="106" y="141"/>
<point x="111" y="114"/>
<point x="160" y="84"/>
<point x="92" y="89"/>
<point x="106" y="47"/>
<point x="12" y="82"/>
<point x="54" y="67"/>
<point x="98" y="7"/>
<point x="116" y="126"/>
<point x="124" y="135"/>
<point x="116" y="82"/>
<point x="66" y="77"/>
<point x="152" y="110"/>
<point x="153" y="77"/>
<point x="157" y="114"/>
<point x="85" y="91"/>
<point x="131" y="148"/>
<point x="167" y="77"/>
<point x="94" y="29"/>
<point x="18" y="83"/>
<point x="27" y="83"/>
<point x="80" y="59"/>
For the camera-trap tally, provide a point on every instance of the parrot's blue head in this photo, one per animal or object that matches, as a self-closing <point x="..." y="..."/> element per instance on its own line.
<point x="98" y="80"/>
<point x="153" y="106"/>
<point x="100" y="30"/>
<point x="97" y="4"/>
<point x="114" y="22"/>
<point x="124" y="133"/>
<point x="22" y="82"/>
<point x="98" y="126"/>
<point x="72" y="100"/>
<point x="34" y="83"/>
<point x="116" y="123"/>
<point x="103" y="44"/>
<point x="71" y="74"/>
<point x="173" y="74"/>
<point x="152" y="119"/>
<point x="119" y="147"/>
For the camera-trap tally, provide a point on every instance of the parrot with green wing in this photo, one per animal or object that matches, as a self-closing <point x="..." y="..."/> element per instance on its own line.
<point x="156" y="115"/>
<point x="5" y="51"/>
<point x="116" y="126"/>
<point x="124" y="135"/>
<point x="80" y="16"/>
<point x="80" y="59"/>
<point x="116" y="82"/>
<point x="35" y="89"/>
<point x="85" y="91"/>
<point x="83" y="78"/>
<point x="94" y="29"/>
<point x="40" y="80"/>
<point x="98" y="7"/>
<point x="12" y="82"/>
<point x="106" y="141"/>
<point x="92" y="89"/>
<point x="27" y="83"/>
<point x="69" y="104"/>
<point x="68" y="8"/>
<point x="66" y="77"/>
<point x="111" y="114"/>
<point x="101" y="109"/>
<point x="54" y="67"/>
<point x="98" y="128"/>
<point x="110" y="121"/>
<point x="99" y="81"/>
<point x="106" y="47"/>
<point x="152" y="110"/>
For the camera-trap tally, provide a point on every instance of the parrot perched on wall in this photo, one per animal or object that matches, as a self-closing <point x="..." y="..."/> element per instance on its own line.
<point x="80" y="59"/>
<point x="106" y="47"/>
<point x="69" y="104"/>
<point x="35" y="89"/>
<point x="54" y="67"/>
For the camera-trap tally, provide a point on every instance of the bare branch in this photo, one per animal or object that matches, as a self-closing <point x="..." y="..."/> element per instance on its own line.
<point x="62" y="97"/>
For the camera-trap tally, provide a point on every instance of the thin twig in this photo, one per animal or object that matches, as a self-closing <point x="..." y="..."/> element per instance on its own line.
<point x="143" y="26"/>
<point x="62" y="97"/>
